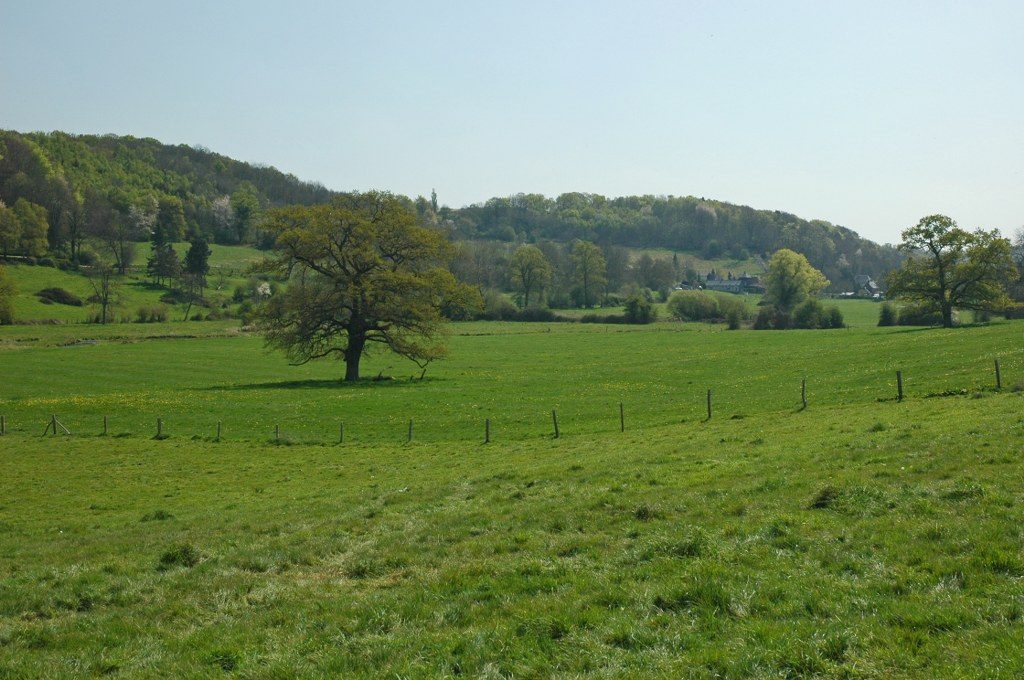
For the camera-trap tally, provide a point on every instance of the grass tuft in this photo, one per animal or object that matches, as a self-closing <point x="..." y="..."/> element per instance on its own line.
<point x="180" y="555"/>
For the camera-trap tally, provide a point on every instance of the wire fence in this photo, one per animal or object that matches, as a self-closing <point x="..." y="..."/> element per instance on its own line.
<point x="54" y="426"/>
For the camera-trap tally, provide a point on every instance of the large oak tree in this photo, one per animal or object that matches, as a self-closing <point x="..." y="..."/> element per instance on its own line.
<point x="361" y="271"/>
<point x="952" y="268"/>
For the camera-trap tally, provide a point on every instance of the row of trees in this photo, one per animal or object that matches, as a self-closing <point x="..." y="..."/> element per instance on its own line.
<point x="713" y="228"/>
<point x="578" y="274"/>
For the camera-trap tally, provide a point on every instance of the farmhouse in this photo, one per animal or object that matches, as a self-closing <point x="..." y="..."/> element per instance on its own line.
<point x="742" y="284"/>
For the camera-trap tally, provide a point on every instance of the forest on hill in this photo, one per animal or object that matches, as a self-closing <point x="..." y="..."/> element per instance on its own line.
<point x="120" y="186"/>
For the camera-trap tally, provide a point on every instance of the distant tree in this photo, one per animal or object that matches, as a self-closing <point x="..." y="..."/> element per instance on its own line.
<point x="245" y="203"/>
<point x="164" y="264"/>
<point x="361" y="271"/>
<point x="791" y="279"/>
<point x="114" y="229"/>
<point x="10" y="231"/>
<point x="194" y="271"/>
<point x="170" y="219"/>
<point x="106" y="288"/>
<point x="952" y="268"/>
<point x="7" y="293"/>
<point x="530" y="271"/>
<point x="589" y="270"/>
<point x="224" y="219"/>
<point x="32" y="219"/>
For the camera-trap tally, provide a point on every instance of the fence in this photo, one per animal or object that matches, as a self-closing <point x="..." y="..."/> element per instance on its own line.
<point x="55" y="427"/>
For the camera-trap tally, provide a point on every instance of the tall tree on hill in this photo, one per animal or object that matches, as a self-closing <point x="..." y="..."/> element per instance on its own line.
<point x="589" y="269"/>
<point x="361" y="272"/>
<point x="530" y="272"/>
<point x="163" y="264"/>
<point x="952" y="268"/>
<point x="170" y="219"/>
<point x="194" y="271"/>
<point x="245" y="203"/>
<point x="34" y="228"/>
<point x="10" y="231"/>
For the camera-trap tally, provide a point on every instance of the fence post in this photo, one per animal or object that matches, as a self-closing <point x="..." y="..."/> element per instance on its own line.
<point x="3" y="425"/>
<point x="622" y="418"/>
<point x="159" y="427"/>
<point x="105" y="430"/>
<point x="410" y="429"/>
<point x="277" y="432"/>
<point x="899" y="385"/>
<point x="803" y="392"/>
<point x="999" y="378"/>
<point x="218" y="429"/>
<point x="341" y="433"/>
<point x="709" y="404"/>
<point x="487" y="431"/>
<point x="554" y="420"/>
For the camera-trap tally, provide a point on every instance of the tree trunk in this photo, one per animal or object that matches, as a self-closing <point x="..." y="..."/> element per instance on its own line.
<point x="353" y="354"/>
<point x="947" y="316"/>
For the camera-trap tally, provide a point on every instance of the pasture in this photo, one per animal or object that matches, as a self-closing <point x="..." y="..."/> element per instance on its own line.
<point x="513" y="374"/>
<point x="861" y="537"/>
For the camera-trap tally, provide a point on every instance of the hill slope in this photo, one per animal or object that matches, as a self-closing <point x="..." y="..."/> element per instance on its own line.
<point x="57" y="169"/>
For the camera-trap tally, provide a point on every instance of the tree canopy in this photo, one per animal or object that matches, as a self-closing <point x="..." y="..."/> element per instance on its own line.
<point x="361" y="272"/>
<point x="791" y="279"/>
<point x="589" y="267"/>
<point x="952" y="268"/>
<point x="530" y="271"/>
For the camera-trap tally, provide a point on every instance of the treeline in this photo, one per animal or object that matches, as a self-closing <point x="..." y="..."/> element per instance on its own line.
<point x="87" y="185"/>
<point x="566" y="275"/>
<point x="110" y="191"/>
<point x="712" y="228"/>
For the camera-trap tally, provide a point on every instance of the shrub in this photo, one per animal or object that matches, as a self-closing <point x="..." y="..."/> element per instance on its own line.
<point x="639" y="309"/>
<point x="151" y="314"/>
<point x="729" y="303"/>
<point x="733" y="318"/>
<point x="920" y="315"/>
<point x="808" y="314"/>
<point x="693" y="305"/>
<point x="834" y="318"/>
<point x="59" y="296"/>
<point x="604" y="318"/>
<point x="47" y="262"/>
<point x="765" y="318"/>
<point x="497" y="306"/>
<point x="888" y="315"/>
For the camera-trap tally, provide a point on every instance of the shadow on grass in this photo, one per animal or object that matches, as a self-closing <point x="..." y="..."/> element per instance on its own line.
<point x="331" y="384"/>
<point x="962" y="326"/>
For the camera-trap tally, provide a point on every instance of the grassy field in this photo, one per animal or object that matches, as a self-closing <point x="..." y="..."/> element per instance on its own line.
<point x="861" y="537"/>
<point x="227" y="270"/>
<point x="872" y="540"/>
<point x="513" y="374"/>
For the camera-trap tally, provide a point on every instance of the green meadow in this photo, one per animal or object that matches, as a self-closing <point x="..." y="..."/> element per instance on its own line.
<point x="514" y="374"/>
<point x="868" y="540"/>
<point x="859" y="537"/>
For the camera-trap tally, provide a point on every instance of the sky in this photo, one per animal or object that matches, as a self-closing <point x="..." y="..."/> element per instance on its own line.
<point x="867" y="114"/>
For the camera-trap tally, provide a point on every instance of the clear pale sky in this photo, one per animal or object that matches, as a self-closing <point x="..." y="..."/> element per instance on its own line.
<point x="866" y="114"/>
